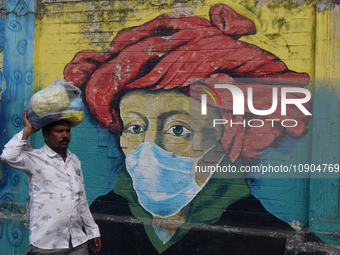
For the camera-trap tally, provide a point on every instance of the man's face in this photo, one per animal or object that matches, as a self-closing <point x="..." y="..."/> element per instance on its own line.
<point x="58" y="137"/>
<point x="165" y="118"/>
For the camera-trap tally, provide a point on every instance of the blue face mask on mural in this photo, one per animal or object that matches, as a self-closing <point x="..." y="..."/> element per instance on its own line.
<point x="162" y="179"/>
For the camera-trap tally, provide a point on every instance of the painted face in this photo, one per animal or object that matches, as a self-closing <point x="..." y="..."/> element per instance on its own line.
<point x="165" y="118"/>
<point x="58" y="137"/>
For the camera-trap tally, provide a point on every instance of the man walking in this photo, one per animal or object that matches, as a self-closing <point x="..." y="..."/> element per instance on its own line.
<point x="60" y="219"/>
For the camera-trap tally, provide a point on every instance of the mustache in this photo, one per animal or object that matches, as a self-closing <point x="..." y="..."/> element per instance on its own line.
<point x="65" y="140"/>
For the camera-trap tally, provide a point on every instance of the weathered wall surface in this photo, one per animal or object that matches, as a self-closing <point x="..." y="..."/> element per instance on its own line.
<point x="128" y="142"/>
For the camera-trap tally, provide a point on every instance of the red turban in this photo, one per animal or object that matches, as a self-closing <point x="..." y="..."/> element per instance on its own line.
<point x="168" y="51"/>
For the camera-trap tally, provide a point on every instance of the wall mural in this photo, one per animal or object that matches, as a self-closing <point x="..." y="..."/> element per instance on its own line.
<point x="144" y="98"/>
<point x="141" y="89"/>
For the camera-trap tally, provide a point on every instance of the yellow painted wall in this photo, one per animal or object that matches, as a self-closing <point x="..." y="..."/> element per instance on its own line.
<point x="286" y="29"/>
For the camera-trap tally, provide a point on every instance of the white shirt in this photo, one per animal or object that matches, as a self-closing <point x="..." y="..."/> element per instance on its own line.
<point x="58" y="205"/>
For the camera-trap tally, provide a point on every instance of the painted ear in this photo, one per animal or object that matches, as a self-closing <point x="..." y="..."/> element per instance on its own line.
<point x="85" y="62"/>
<point x="231" y="22"/>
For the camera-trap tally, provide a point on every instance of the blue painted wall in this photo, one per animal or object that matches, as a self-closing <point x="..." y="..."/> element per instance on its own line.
<point x="17" y="32"/>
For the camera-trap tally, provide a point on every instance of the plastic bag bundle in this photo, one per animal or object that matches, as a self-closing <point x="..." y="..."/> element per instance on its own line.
<point x="60" y="100"/>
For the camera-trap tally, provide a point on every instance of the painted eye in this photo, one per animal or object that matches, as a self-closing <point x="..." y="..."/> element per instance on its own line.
<point x="136" y="129"/>
<point x="178" y="130"/>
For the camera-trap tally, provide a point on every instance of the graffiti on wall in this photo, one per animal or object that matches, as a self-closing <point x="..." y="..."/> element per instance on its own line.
<point x="141" y="89"/>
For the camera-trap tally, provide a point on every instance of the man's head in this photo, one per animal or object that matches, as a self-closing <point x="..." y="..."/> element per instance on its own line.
<point x="57" y="135"/>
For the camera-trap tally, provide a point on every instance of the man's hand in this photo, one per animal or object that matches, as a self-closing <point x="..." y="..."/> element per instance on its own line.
<point x="96" y="244"/>
<point x="28" y="130"/>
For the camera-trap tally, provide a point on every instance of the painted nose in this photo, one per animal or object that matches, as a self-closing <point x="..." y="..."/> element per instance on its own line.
<point x="151" y="136"/>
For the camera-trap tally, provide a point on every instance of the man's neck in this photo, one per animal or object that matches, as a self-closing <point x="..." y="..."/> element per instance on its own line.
<point x="62" y="153"/>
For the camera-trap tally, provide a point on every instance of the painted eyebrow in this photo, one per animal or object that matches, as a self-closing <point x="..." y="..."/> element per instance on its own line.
<point x="162" y="116"/>
<point x="165" y="115"/>
<point x="141" y="116"/>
